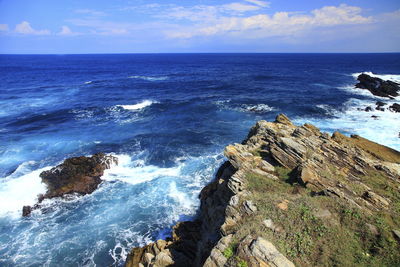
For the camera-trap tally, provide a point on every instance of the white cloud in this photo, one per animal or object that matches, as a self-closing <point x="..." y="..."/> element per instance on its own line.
<point x="3" y="27"/>
<point x="238" y="7"/>
<point x="259" y="3"/>
<point x="25" y="28"/>
<point x="279" y="24"/>
<point x="91" y="12"/>
<point x="66" y="31"/>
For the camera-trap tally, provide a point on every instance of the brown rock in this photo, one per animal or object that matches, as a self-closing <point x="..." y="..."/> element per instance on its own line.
<point x="281" y="118"/>
<point x="283" y="205"/>
<point x="76" y="175"/>
<point x="26" y="211"/>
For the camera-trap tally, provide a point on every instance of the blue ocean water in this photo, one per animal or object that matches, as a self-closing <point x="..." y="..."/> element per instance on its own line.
<point x="167" y="117"/>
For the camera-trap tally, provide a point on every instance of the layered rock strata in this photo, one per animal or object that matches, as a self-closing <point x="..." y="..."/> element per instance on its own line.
<point x="335" y="168"/>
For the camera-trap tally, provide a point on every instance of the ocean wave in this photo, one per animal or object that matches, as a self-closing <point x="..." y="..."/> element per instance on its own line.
<point x="150" y="78"/>
<point x="391" y="77"/>
<point x="255" y="108"/>
<point x="138" y="106"/>
<point x="379" y="126"/>
<point x="20" y="189"/>
<point x="88" y="82"/>
<point x="328" y="110"/>
<point x="135" y="172"/>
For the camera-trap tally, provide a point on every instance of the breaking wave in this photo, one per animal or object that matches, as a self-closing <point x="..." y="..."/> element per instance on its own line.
<point x="138" y="106"/>
<point x="150" y="78"/>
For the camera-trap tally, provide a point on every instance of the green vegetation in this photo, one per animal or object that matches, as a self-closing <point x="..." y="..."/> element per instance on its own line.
<point x="283" y="173"/>
<point x="228" y="252"/>
<point x="240" y="262"/>
<point x="322" y="230"/>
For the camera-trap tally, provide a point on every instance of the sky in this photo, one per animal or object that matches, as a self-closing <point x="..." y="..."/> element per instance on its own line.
<point x="166" y="26"/>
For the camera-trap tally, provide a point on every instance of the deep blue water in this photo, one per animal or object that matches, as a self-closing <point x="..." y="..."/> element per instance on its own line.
<point x="168" y="118"/>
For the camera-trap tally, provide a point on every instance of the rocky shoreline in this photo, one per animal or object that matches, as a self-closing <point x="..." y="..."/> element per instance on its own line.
<point x="287" y="196"/>
<point x="284" y="195"/>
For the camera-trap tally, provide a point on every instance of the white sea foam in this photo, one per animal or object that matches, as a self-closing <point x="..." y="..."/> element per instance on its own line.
<point x="88" y="82"/>
<point x="134" y="172"/>
<point x="16" y="192"/>
<point x="225" y="104"/>
<point x="383" y="129"/>
<point x="256" y="108"/>
<point x="329" y="110"/>
<point x="149" y="78"/>
<point x="182" y="198"/>
<point x="138" y="106"/>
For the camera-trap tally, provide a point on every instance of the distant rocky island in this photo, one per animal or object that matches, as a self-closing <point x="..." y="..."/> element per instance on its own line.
<point x="291" y="196"/>
<point x="378" y="87"/>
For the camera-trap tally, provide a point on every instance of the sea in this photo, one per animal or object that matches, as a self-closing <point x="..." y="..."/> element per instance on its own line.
<point x="167" y="117"/>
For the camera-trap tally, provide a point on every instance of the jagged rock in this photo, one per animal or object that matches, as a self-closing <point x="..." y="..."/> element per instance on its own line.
<point x="269" y="224"/>
<point x="380" y="104"/>
<point x="75" y="175"/>
<point x="306" y="173"/>
<point x="267" y="252"/>
<point x="216" y="257"/>
<point x="281" y="118"/>
<point x="249" y="207"/>
<point x="378" y="86"/>
<point x="26" y="211"/>
<point x="334" y="166"/>
<point x="283" y="205"/>
<point x="395" y="107"/>
<point x="376" y="199"/>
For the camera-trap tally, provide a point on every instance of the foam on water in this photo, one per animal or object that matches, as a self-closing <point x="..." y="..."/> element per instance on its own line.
<point x="138" y="106"/>
<point x="352" y="119"/>
<point x="88" y="82"/>
<point x="256" y="108"/>
<point x="149" y="78"/>
<point x="134" y="172"/>
<point x="19" y="189"/>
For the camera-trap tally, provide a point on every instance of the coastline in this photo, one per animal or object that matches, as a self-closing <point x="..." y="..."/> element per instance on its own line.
<point x="299" y="161"/>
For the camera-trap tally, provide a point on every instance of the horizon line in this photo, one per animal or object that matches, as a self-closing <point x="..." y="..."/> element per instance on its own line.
<point x="183" y="53"/>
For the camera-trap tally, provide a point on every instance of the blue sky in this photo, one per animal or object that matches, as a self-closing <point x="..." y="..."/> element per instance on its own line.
<point x="60" y="27"/>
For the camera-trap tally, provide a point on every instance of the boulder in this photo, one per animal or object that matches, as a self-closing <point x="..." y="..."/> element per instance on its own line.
<point x="76" y="175"/>
<point x="395" y="107"/>
<point x="79" y="175"/>
<point x="267" y="252"/>
<point x="378" y="86"/>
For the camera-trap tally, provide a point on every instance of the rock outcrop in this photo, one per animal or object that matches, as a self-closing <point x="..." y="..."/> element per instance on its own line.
<point x="378" y="86"/>
<point x="291" y="195"/>
<point x="79" y="175"/>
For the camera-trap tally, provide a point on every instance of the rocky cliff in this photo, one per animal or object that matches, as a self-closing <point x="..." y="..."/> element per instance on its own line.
<point x="292" y="196"/>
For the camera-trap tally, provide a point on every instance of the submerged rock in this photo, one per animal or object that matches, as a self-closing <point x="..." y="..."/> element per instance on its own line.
<point x="79" y="175"/>
<point x="378" y="86"/>
<point x="395" y="107"/>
